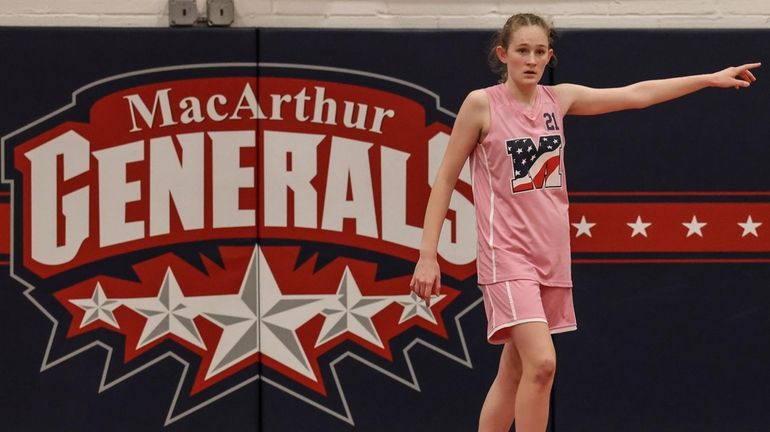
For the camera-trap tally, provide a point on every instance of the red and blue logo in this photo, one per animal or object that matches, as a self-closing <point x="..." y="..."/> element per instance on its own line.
<point x="255" y="223"/>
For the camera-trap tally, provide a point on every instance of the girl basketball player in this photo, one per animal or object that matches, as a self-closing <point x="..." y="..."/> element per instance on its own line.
<point x="513" y="134"/>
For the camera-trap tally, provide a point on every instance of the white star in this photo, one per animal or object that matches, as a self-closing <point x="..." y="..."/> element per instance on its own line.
<point x="750" y="227"/>
<point x="97" y="308"/>
<point x="533" y="157"/>
<point x="260" y="318"/>
<point x="168" y="313"/>
<point x="529" y="149"/>
<point x="583" y="227"/>
<point x="639" y="227"/>
<point x="518" y="173"/>
<point x="694" y="227"/>
<point x="415" y="306"/>
<point x="518" y="151"/>
<point x="349" y="311"/>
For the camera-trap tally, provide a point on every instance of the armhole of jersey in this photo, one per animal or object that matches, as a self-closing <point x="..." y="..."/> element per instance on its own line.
<point x="488" y="93"/>
<point x="552" y="96"/>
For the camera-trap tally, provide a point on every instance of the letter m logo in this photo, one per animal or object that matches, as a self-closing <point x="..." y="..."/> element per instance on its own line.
<point x="535" y="165"/>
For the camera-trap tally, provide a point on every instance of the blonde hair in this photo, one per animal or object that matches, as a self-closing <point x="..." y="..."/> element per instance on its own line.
<point x="503" y="38"/>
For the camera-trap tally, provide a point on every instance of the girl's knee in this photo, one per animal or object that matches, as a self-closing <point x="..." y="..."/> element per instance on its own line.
<point x="542" y="370"/>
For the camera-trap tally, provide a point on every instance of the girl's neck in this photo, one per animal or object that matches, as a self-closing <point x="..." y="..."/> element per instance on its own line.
<point x="525" y="95"/>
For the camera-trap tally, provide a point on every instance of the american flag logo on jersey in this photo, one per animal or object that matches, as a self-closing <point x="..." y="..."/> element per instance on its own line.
<point x="535" y="164"/>
<point x="252" y="222"/>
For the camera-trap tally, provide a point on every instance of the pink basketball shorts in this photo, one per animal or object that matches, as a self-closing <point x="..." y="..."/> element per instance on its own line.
<point x="520" y="301"/>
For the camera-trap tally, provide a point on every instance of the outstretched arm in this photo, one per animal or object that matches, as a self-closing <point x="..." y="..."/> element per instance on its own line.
<point x="581" y="100"/>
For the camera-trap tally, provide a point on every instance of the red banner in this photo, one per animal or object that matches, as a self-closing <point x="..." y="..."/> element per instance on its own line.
<point x="670" y="227"/>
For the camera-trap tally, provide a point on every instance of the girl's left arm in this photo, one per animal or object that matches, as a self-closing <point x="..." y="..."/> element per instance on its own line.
<point x="581" y="100"/>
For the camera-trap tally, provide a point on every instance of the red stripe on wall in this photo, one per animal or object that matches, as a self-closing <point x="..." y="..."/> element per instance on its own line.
<point x="5" y="229"/>
<point x="604" y="227"/>
<point x="670" y="227"/>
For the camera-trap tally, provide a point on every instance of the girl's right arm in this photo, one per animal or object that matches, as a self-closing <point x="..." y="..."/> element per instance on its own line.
<point x="469" y="129"/>
<point x="581" y="100"/>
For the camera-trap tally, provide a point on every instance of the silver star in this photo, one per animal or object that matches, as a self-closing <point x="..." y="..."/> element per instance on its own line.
<point x="415" y="306"/>
<point x="97" y="308"/>
<point x="168" y="313"/>
<point x="261" y="319"/>
<point x="349" y="311"/>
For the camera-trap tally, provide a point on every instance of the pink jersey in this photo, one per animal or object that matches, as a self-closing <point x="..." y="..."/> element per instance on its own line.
<point x="520" y="192"/>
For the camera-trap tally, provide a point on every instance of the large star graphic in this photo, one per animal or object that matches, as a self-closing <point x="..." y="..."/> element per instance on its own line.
<point x="260" y="318"/>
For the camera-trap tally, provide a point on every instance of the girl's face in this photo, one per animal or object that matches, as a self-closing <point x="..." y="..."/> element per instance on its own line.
<point x="527" y="55"/>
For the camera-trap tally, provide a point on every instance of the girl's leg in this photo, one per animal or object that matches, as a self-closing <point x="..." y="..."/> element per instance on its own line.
<point x="498" y="409"/>
<point x="538" y="359"/>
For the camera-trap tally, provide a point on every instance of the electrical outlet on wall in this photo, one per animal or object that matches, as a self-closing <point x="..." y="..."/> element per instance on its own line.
<point x="182" y="12"/>
<point x="220" y="12"/>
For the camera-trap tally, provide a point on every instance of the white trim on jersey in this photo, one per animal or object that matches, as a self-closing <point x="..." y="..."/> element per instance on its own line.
<point x="563" y="329"/>
<point x="492" y="306"/>
<point x="491" y="215"/>
<point x="513" y="323"/>
<point x="510" y="299"/>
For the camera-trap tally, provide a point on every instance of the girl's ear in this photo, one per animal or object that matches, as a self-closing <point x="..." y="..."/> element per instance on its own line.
<point x="552" y="60"/>
<point x="502" y="54"/>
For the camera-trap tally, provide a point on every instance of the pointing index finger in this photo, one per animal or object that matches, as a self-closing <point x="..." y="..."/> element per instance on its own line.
<point x="750" y="66"/>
